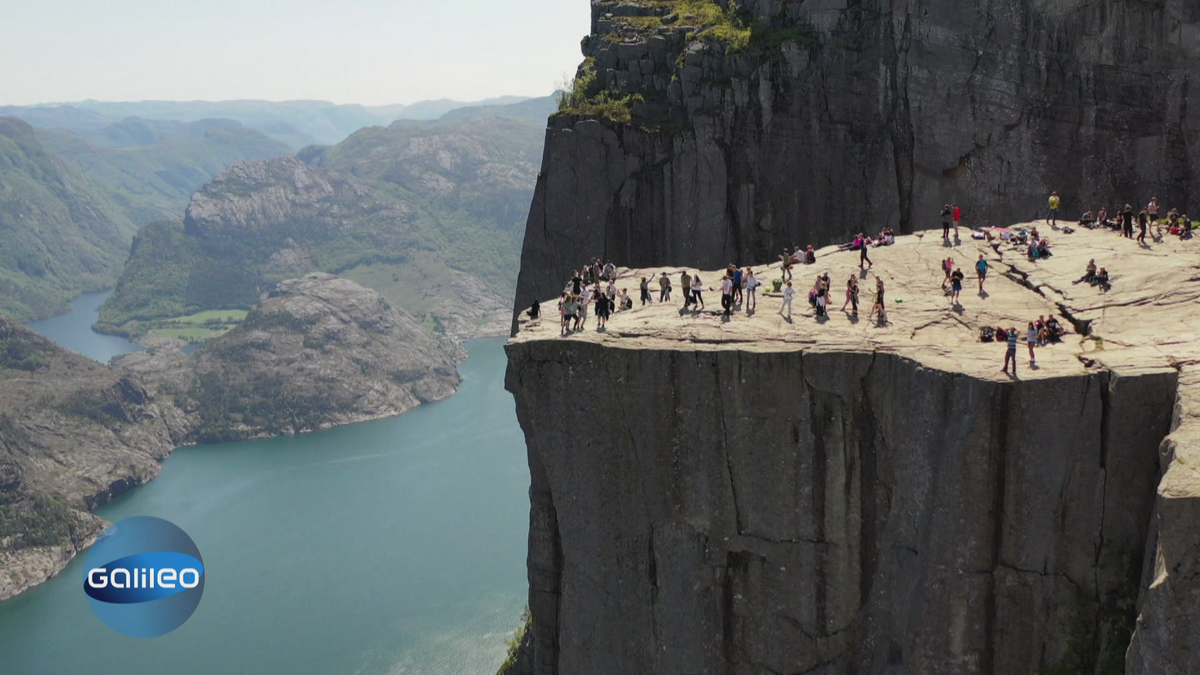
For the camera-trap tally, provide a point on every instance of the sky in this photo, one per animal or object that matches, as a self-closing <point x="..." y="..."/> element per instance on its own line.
<point x="371" y="52"/>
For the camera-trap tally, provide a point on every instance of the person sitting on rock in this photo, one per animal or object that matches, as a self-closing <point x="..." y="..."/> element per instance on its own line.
<point x="1090" y="275"/>
<point x="1102" y="279"/>
<point x="1087" y="219"/>
<point x="1054" y="330"/>
<point x="626" y="301"/>
<point x="535" y="310"/>
<point x="810" y="256"/>
<point x="1043" y="248"/>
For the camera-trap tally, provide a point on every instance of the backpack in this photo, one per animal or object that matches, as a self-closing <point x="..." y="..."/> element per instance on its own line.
<point x="987" y="334"/>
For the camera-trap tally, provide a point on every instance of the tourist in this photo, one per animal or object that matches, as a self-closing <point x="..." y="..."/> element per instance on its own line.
<point x="685" y="282"/>
<point x="535" y="310"/>
<point x="1010" y="354"/>
<point x="878" y="306"/>
<point x="1090" y="275"/>
<point x="570" y="314"/>
<point x="585" y="299"/>
<point x="788" y="294"/>
<point x="626" y="302"/>
<point x="1102" y="279"/>
<point x="810" y="256"/>
<point x="947" y="268"/>
<point x="562" y="312"/>
<point x="1087" y="219"/>
<point x="946" y="213"/>
<point x="1102" y="217"/>
<point x="957" y="218"/>
<point x="981" y="269"/>
<point x="1031" y="339"/>
<point x="862" y="252"/>
<point x="611" y="292"/>
<point x="956" y="284"/>
<point x="1127" y="222"/>
<point x="851" y="293"/>
<point x="576" y="282"/>
<point x="602" y="311"/>
<point x="1152" y="212"/>
<point x="821" y="296"/>
<point x="1054" y="330"/>
<point x="737" y="285"/>
<point x="727" y="294"/>
<point x="697" y="293"/>
<point x="645" y="291"/>
<point x="1143" y="217"/>
<point x="785" y="265"/>
<point x="1052" y="217"/>
<point x="664" y="287"/>
<point x="751" y="283"/>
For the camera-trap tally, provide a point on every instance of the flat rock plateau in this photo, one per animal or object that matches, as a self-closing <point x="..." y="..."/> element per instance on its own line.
<point x="849" y="495"/>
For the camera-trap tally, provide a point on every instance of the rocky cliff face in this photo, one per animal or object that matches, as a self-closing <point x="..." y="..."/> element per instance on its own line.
<point x="846" y="496"/>
<point x="738" y="133"/>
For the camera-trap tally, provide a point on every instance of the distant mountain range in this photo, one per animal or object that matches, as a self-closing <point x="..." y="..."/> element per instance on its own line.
<point x="430" y="213"/>
<point x="296" y="123"/>
<point x="74" y="190"/>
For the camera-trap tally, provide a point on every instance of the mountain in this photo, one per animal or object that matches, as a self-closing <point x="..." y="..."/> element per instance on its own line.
<point x="839" y="494"/>
<point x="295" y="123"/>
<point x="151" y="168"/>
<point x="320" y="351"/>
<point x="61" y="233"/>
<point x="428" y="213"/>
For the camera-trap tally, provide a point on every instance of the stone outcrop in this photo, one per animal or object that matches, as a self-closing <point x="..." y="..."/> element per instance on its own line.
<point x="321" y="351"/>
<point x="848" y="495"/>
<point x="802" y="122"/>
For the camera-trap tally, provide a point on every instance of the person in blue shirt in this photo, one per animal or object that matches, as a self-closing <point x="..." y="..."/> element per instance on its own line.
<point x="981" y="267"/>
<point x="1011" y="353"/>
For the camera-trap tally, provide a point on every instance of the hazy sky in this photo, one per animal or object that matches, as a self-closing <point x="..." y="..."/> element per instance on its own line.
<point x="346" y="51"/>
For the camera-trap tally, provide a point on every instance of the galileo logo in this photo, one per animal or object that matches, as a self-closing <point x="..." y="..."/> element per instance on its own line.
<point x="144" y="577"/>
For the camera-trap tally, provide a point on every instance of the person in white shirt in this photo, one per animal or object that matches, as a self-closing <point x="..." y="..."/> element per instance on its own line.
<point x="788" y="294"/>
<point x="751" y="283"/>
<point x="727" y="294"/>
<point x="697" y="291"/>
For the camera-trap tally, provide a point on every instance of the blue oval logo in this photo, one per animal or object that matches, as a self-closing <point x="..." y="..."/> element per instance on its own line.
<point x="144" y="577"/>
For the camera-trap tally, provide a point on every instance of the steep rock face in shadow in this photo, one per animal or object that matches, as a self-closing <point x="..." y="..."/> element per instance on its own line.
<point x="837" y="115"/>
<point x="830" y="513"/>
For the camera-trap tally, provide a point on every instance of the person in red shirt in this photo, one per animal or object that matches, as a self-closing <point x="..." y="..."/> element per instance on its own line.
<point x="957" y="217"/>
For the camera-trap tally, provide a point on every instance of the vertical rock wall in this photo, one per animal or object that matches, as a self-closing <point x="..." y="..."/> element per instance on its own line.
<point x="835" y="513"/>
<point x="841" y="115"/>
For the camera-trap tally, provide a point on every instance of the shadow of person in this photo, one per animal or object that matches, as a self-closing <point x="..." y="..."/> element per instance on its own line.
<point x="822" y="318"/>
<point x="786" y="318"/>
<point x="984" y="294"/>
<point x="957" y="308"/>
<point x="862" y="274"/>
<point x="853" y="317"/>
<point x="750" y="312"/>
<point x="946" y="243"/>
<point x="724" y="318"/>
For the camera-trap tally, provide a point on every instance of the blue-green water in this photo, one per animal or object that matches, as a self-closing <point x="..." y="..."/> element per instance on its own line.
<point x="74" y="329"/>
<point x="394" y="546"/>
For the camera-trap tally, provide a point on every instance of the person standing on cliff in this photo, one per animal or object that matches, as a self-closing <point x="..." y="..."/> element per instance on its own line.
<point x="957" y="211"/>
<point x="1052" y="216"/>
<point x="697" y="293"/>
<point x="981" y="269"/>
<point x="946" y="213"/>
<point x="1031" y="339"/>
<point x="788" y="294"/>
<point x="1143" y="221"/>
<point x="727" y="293"/>
<point x="879" y="305"/>
<point x="737" y="285"/>
<point x="585" y="299"/>
<point x="685" y="282"/>
<point x="851" y="293"/>
<point x="862" y="252"/>
<point x="1152" y="211"/>
<point x="785" y="265"/>
<point x="664" y="287"/>
<point x="751" y="284"/>
<point x="1010" y="354"/>
<point x="576" y="282"/>
<point x="645" y="291"/>
<point x="1127" y="222"/>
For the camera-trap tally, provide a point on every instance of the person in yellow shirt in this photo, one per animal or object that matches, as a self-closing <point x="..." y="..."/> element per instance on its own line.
<point x="1052" y="218"/>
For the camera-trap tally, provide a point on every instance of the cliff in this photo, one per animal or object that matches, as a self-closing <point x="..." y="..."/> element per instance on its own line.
<point x="701" y="134"/>
<point x="320" y="351"/>
<point x="845" y="496"/>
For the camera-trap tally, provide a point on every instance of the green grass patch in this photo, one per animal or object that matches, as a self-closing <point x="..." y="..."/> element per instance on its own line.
<point x="196" y="327"/>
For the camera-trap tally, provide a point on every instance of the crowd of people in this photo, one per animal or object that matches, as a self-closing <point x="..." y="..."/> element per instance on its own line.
<point x="593" y="288"/>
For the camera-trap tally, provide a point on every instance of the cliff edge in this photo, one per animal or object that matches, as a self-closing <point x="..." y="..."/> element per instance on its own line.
<point x="707" y="131"/>
<point x="846" y="495"/>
